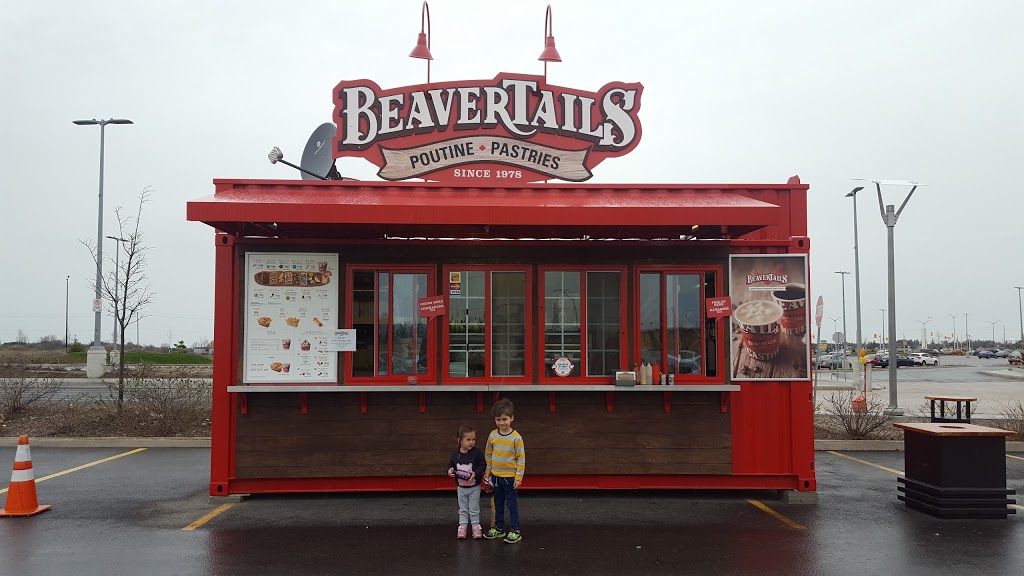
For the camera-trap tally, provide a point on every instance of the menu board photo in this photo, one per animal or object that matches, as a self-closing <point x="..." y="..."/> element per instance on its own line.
<point x="291" y="308"/>
<point x="769" y="317"/>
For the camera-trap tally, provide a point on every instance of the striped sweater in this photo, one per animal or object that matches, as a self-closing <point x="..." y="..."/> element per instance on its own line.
<point x="506" y="455"/>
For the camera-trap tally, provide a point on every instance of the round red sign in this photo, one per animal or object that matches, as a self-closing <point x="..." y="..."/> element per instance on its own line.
<point x="562" y="366"/>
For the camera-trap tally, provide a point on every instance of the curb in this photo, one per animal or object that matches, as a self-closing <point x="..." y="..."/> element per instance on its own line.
<point x="1010" y="374"/>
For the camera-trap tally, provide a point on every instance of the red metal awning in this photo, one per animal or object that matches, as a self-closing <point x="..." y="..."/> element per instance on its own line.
<point x="347" y="209"/>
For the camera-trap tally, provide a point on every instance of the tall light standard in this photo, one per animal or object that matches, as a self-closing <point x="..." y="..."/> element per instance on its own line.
<point x="117" y="272"/>
<point x="890" y="216"/>
<point x="1020" y="312"/>
<point x="883" y="326"/>
<point x="835" y="327"/>
<point x="96" y="355"/>
<point x="924" y="332"/>
<point x="953" y="316"/>
<point x="967" y="331"/>
<point x="845" y="338"/>
<point x="67" y="292"/>
<point x="856" y="265"/>
<point x="993" y="323"/>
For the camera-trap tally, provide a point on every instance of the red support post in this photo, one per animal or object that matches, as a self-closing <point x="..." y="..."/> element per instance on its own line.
<point x="222" y="443"/>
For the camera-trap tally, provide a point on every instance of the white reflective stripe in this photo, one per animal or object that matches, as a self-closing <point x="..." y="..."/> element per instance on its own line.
<point x="23" y="454"/>
<point x="22" y="475"/>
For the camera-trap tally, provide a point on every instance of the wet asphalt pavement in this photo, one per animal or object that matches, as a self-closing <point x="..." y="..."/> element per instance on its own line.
<point x="126" y="516"/>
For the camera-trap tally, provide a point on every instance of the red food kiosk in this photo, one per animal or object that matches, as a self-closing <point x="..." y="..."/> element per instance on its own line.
<point x="650" y="335"/>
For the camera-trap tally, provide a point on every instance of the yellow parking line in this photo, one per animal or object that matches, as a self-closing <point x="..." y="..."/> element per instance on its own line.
<point x="213" y="514"/>
<point x="879" y="466"/>
<point x="1014" y="457"/>
<point x="764" y="508"/>
<point x="83" y="466"/>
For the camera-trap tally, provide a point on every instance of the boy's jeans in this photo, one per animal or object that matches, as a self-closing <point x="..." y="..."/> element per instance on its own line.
<point x="469" y="505"/>
<point x="505" y="495"/>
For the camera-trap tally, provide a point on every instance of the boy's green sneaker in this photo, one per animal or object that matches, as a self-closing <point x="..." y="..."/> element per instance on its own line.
<point x="513" y="538"/>
<point x="494" y="533"/>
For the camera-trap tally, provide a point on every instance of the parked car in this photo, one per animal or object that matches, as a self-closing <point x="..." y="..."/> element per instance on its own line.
<point x="1015" y="358"/>
<point x="922" y="359"/>
<point x="831" y="361"/>
<point x="1002" y="353"/>
<point x="901" y="360"/>
<point x="986" y="354"/>
<point x="956" y="352"/>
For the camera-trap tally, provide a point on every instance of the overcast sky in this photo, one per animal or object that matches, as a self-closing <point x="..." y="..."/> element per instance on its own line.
<point x="734" y="92"/>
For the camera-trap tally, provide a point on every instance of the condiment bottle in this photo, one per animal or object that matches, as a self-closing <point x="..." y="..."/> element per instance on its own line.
<point x="643" y="374"/>
<point x="655" y="373"/>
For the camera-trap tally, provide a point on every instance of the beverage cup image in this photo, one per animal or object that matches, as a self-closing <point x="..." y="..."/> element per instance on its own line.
<point x="759" y="324"/>
<point x="286" y="367"/>
<point x="286" y="343"/>
<point x="793" y="299"/>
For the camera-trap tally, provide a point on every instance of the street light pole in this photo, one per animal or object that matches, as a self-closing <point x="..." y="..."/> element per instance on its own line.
<point x="845" y="337"/>
<point x="67" y="293"/>
<point x="856" y="265"/>
<point x="94" y="368"/>
<point x="883" y="327"/>
<point x="1020" y="312"/>
<point x="924" y="332"/>
<point x="953" y="316"/>
<point x="117" y="282"/>
<point x="967" y="332"/>
<point x="993" y="323"/>
<point x="890" y="216"/>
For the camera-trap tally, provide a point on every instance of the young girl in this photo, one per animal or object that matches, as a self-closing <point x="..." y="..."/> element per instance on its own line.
<point x="467" y="467"/>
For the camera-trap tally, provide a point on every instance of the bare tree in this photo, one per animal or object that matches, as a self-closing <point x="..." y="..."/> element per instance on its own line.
<point x="125" y="286"/>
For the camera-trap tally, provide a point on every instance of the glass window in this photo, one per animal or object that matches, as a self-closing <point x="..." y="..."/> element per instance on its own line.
<point x="487" y="323"/>
<point x="673" y="329"/>
<point x="582" y="323"/>
<point x="391" y="337"/>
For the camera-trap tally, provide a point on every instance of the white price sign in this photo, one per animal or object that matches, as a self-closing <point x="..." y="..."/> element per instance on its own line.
<point x="97" y="305"/>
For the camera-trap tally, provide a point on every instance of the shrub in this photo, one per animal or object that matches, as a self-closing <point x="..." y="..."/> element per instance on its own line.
<point x="171" y="405"/>
<point x="859" y="425"/>
<point x="1013" y="418"/>
<point x="18" y="390"/>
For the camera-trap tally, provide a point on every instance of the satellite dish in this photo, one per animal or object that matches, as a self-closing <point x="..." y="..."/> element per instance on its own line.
<point x="317" y="160"/>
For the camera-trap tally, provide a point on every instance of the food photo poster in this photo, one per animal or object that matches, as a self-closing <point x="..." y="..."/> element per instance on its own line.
<point x="291" y="307"/>
<point x="769" y="337"/>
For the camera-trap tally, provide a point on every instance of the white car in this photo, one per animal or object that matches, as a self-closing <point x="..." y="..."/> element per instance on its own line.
<point x="922" y="359"/>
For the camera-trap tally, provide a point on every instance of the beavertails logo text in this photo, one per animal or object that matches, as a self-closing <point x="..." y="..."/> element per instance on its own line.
<point x="775" y="278"/>
<point x="512" y="129"/>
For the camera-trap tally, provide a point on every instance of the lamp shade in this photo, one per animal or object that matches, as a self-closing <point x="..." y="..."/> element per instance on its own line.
<point x="421" y="50"/>
<point x="550" y="53"/>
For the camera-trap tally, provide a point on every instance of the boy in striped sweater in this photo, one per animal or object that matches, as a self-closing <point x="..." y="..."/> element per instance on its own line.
<point x="506" y="462"/>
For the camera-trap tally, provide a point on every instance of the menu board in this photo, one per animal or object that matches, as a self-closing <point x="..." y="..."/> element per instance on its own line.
<point x="291" y="307"/>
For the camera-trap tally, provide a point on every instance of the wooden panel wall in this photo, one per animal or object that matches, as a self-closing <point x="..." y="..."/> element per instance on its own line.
<point x="275" y="440"/>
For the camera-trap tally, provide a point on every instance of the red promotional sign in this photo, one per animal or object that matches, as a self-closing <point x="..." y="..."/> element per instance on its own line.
<point x="512" y="129"/>
<point x="432" y="306"/>
<point x="719" y="307"/>
<point x="818" y="311"/>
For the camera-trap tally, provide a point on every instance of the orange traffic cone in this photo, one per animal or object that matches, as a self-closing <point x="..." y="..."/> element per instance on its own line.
<point x="21" y="496"/>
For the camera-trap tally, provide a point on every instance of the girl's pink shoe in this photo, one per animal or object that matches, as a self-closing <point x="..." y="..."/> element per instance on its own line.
<point x="462" y="531"/>
<point x="478" y="532"/>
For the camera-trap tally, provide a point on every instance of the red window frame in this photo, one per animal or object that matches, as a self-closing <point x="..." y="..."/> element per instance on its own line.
<point x="718" y="270"/>
<point x="543" y="378"/>
<point x="530" y="356"/>
<point x="428" y="377"/>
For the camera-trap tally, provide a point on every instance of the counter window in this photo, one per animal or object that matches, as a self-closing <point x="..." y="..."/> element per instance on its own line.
<point x="582" y="323"/>
<point x="391" y="338"/>
<point x="488" y="319"/>
<point x="673" y="330"/>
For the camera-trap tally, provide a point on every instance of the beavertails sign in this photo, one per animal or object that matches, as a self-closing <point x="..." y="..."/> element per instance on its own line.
<point x="514" y="128"/>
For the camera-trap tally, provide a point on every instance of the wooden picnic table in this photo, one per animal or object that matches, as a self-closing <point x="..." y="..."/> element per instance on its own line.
<point x="960" y="415"/>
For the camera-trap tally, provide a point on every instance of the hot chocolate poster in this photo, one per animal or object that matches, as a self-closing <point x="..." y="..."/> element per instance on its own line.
<point x="769" y="317"/>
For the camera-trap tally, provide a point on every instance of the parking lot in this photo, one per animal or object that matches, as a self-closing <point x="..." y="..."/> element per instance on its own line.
<point x="131" y="511"/>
